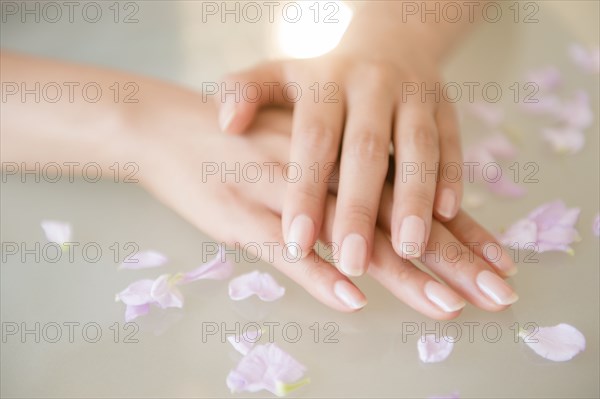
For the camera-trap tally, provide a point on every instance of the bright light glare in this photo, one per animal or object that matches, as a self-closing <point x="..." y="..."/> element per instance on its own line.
<point x="318" y="28"/>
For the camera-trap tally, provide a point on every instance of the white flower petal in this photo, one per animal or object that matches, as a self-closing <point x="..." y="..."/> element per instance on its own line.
<point x="433" y="349"/>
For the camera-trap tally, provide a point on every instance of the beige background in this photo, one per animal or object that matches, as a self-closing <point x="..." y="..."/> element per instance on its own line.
<point x="372" y="357"/>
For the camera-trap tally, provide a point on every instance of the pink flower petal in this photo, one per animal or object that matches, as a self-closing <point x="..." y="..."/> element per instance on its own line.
<point x="137" y="293"/>
<point x="217" y="269"/>
<point x="132" y="312"/>
<point x="265" y="367"/>
<point x="56" y="231"/>
<point x="548" y="78"/>
<point x="506" y="188"/>
<point x="587" y="59"/>
<point x="144" y="260"/>
<point x="433" y="349"/>
<point x="596" y="225"/>
<point x="546" y="104"/>
<point x="564" y="140"/>
<point x="558" y="343"/>
<point x="244" y="342"/>
<point x="549" y="227"/>
<point x="577" y="112"/>
<point x="256" y="283"/>
<point x="490" y="114"/>
<point x="165" y="294"/>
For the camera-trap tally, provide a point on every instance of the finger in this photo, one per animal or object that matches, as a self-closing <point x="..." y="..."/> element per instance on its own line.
<point x="241" y="94"/>
<point x="416" y="148"/>
<point x="363" y="168"/>
<point x="316" y="136"/>
<point x="261" y="227"/>
<point x="465" y="272"/>
<point x="448" y="194"/>
<point x="482" y="243"/>
<point x="405" y="281"/>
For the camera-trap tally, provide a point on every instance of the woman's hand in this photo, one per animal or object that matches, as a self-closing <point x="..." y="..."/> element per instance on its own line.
<point x="381" y="86"/>
<point x="202" y="177"/>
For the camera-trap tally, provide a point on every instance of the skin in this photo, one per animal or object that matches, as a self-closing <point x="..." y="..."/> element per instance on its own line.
<point x="376" y="58"/>
<point x="171" y="133"/>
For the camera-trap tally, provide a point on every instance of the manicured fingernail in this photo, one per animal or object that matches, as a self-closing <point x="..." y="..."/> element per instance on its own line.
<point x="300" y="235"/>
<point x="502" y="261"/>
<point x="349" y="294"/>
<point x="412" y="236"/>
<point x="353" y="256"/>
<point x="226" y="113"/>
<point x="495" y="288"/>
<point x="447" y="203"/>
<point x="443" y="297"/>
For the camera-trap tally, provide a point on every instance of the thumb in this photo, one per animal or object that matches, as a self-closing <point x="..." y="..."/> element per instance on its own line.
<point x="244" y="93"/>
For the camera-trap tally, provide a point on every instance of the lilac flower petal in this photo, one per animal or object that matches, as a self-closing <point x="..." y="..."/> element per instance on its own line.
<point x="506" y="188"/>
<point x="549" y="227"/>
<point x="577" y="112"/>
<point x="144" y="260"/>
<point x="56" y="231"/>
<point x="596" y="225"/>
<point x="546" y="104"/>
<point x="548" y="78"/>
<point x="433" y="349"/>
<point x="499" y="146"/>
<point x="265" y="367"/>
<point x="587" y="59"/>
<point x="564" y="140"/>
<point x="558" y="343"/>
<point x="216" y="269"/>
<point x="165" y="294"/>
<point x="134" y="311"/>
<point x="137" y="293"/>
<point x="491" y="115"/>
<point x="244" y="342"/>
<point x="256" y="283"/>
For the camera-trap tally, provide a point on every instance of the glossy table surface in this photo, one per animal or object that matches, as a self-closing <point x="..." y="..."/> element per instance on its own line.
<point x="368" y="354"/>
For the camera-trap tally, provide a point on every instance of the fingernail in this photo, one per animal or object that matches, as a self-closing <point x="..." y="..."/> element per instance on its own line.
<point x="349" y="294"/>
<point x="495" y="288"/>
<point x="447" y="203"/>
<point x="412" y="236"/>
<point x="353" y="255"/>
<point x="300" y="235"/>
<point x="503" y="262"/>
<point x="443" y="297"/>
<point x="226" y="114"/>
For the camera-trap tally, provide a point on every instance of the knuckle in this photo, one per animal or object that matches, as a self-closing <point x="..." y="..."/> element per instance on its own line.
<point x="422" y="137"/>
<point x="318" y="138"/>
<point x="360" y="213"/>
<point x="371" y="147"/>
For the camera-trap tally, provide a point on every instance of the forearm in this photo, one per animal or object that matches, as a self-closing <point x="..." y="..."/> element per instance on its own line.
<point x="80" y="126"/>
<point x="407" y="27"/>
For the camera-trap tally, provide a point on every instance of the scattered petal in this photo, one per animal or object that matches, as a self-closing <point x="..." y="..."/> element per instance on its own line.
<point x="137" y="293"/>
<point x="564" y="140"/>
<point x="256" y="283"/>
<point x="56" y="231"/>
<point x="433" y="349"/>
<point x="144" y="260"/>
<point x="587" y="59"/>
<point x="132" y="312"/>
<point x="164" y="292"/>
<point x="490" y="114"/>
<point x="266" y="367"/>
<point x="485" y="153"/>
<point x="558" y="343"/>
<point x="577" y="112"/>
<point x="217" y="269"/>
<point x="596" y="225"/>
<point x="546" y="79"/>
<point x="550" y="227"/>
<point x="244" y="342"/>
